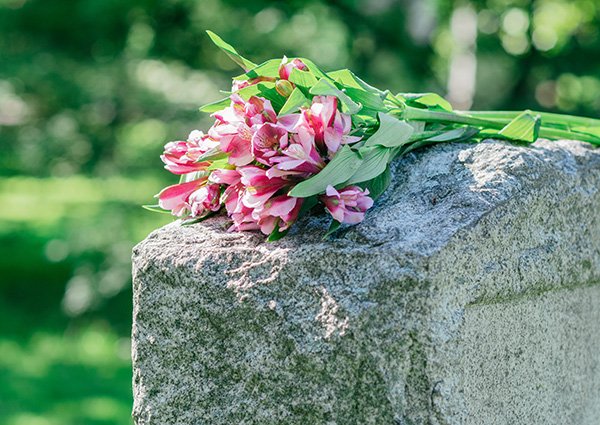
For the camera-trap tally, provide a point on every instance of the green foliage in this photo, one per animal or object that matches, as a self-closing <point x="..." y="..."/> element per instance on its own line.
<point x="524" y="128"/>
<point x="392" y="132"/>
<point x="343" y="166"/>
<point x="294" y="102"/>
<point x="231" y="52"/>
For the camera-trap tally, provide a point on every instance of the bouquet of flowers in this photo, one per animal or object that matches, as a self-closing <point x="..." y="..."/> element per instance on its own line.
<point x="290" y="137"/>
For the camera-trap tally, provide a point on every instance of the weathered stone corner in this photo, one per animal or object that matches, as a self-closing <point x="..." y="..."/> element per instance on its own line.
<point x="469" y="295"/>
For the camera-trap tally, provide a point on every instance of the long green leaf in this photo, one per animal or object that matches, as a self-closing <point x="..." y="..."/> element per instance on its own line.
<point x="524" y="128"/>
<point x="231" y="52"/>
<point x="379" y="184"/>
<point x="343" y="166"/>
<point x="268" y="69"/>
<point x="191" y="221"/>
<point x="212" y="154"/>
<point x="155" y="208"/>
<point x="326" y="88"/>
<point x="264" y="89"/>
<point x="333" y="227"/>
<point x="359" y="91"/>
<point x="392" y="132"/>
<point x="276" y="234"/>
<point x="430" y="100"/>
<point x="304" y="79"/>
<point x="367" y="99"/>
<point x="294" y="102"/>
<point x="215" y="106"/>
<point x="313" y="68"/>
<point x="347" y="78"/>
<point x="454" y="135"/>
<point x="375" y="161"/>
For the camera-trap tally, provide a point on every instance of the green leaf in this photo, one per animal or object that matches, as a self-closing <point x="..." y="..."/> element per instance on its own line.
<point x="327" y="88"/>
<point x="347" y="78"/>
<point x="430" y="100"/>
<point x="343" y="166"/>
<point x="367" y="99"/>
<point x="219" y="164"/>
<point x="276" y="234"/>
<point x="308" y="205"/>
<point x="155" y="208"/>
<point x="256" y="89"/>
<point x="268" y="69"/>
<point x="392" y="132"/>
<point x="216" y="106"/>
<point x="313" y="68"/>
<point x="379" y="184"/>
<point x="454" y="135"/>
<point x="525" y="127"/>
<point x="294" y="102"/>
<point x="231" y="52"/>
<point x="191" y="221"/>
<point x="264" y="89"/>
<point x="375" y="161"/>
<point x="212" y="154"/>
<point x="304" y="79"/>
<point x="333" y="227"/>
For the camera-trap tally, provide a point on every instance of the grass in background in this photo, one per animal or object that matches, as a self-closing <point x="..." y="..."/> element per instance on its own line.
<point x="65" y="348"/>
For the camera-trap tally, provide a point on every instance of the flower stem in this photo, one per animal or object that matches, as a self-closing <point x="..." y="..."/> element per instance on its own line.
<point x="497" y="120"/>
<point x="567" y="121"/>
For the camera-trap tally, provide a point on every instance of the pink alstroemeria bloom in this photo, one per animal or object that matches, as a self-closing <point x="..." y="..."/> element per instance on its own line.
<point x="225" y="176"/>
<point x="175" y="198"/>
<point x="204" y="200"/>
<point x="240" y="214"/>
<point x="259" y="110"/>
<point x="268" y="140"/>
<point x="182" y="157"/>
<point x="348" y="205"/>
<point x="331" y="127"/>
<point x="286" y="67"/>
<point x="258" y="186"/>
<point x="280" y="211"/>
<point x="300" y="157"/>
<point x="235" y="126"/>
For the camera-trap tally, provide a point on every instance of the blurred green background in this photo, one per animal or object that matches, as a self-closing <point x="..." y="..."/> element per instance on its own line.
<point x="90" y="90"/>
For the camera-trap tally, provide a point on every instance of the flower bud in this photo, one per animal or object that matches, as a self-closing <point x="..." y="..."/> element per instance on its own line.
<point x="284" y="87"/>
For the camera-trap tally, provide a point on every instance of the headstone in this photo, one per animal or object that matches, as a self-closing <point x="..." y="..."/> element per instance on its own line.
<point x="469" y="295"/>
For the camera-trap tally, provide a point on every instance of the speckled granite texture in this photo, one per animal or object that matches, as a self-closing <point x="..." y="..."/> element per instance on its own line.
<point x="470" y="295"/>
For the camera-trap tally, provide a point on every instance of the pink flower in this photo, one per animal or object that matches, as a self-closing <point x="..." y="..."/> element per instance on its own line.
<point x="182" y="157"/>
<point x="286" y="67"/>
<point x="225" y="176"/>
<point x="280" y="211"/>
<point x="240" y="214"/>
<point x="175" y="198"/>
<point x="204" y="200"/>
<point x="234" y="127"/>
<point x="268" y="141"/>
<point x="259" y="110"/>
<point x="348" y="205"/>
<point x="300" y="157"/>
<point x="329" y="126"/>
<point x="252" y="201"/>
<point x="258" y="186"/>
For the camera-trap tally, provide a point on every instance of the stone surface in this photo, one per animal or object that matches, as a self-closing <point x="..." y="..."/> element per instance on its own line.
<point x="470" y="295"/>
